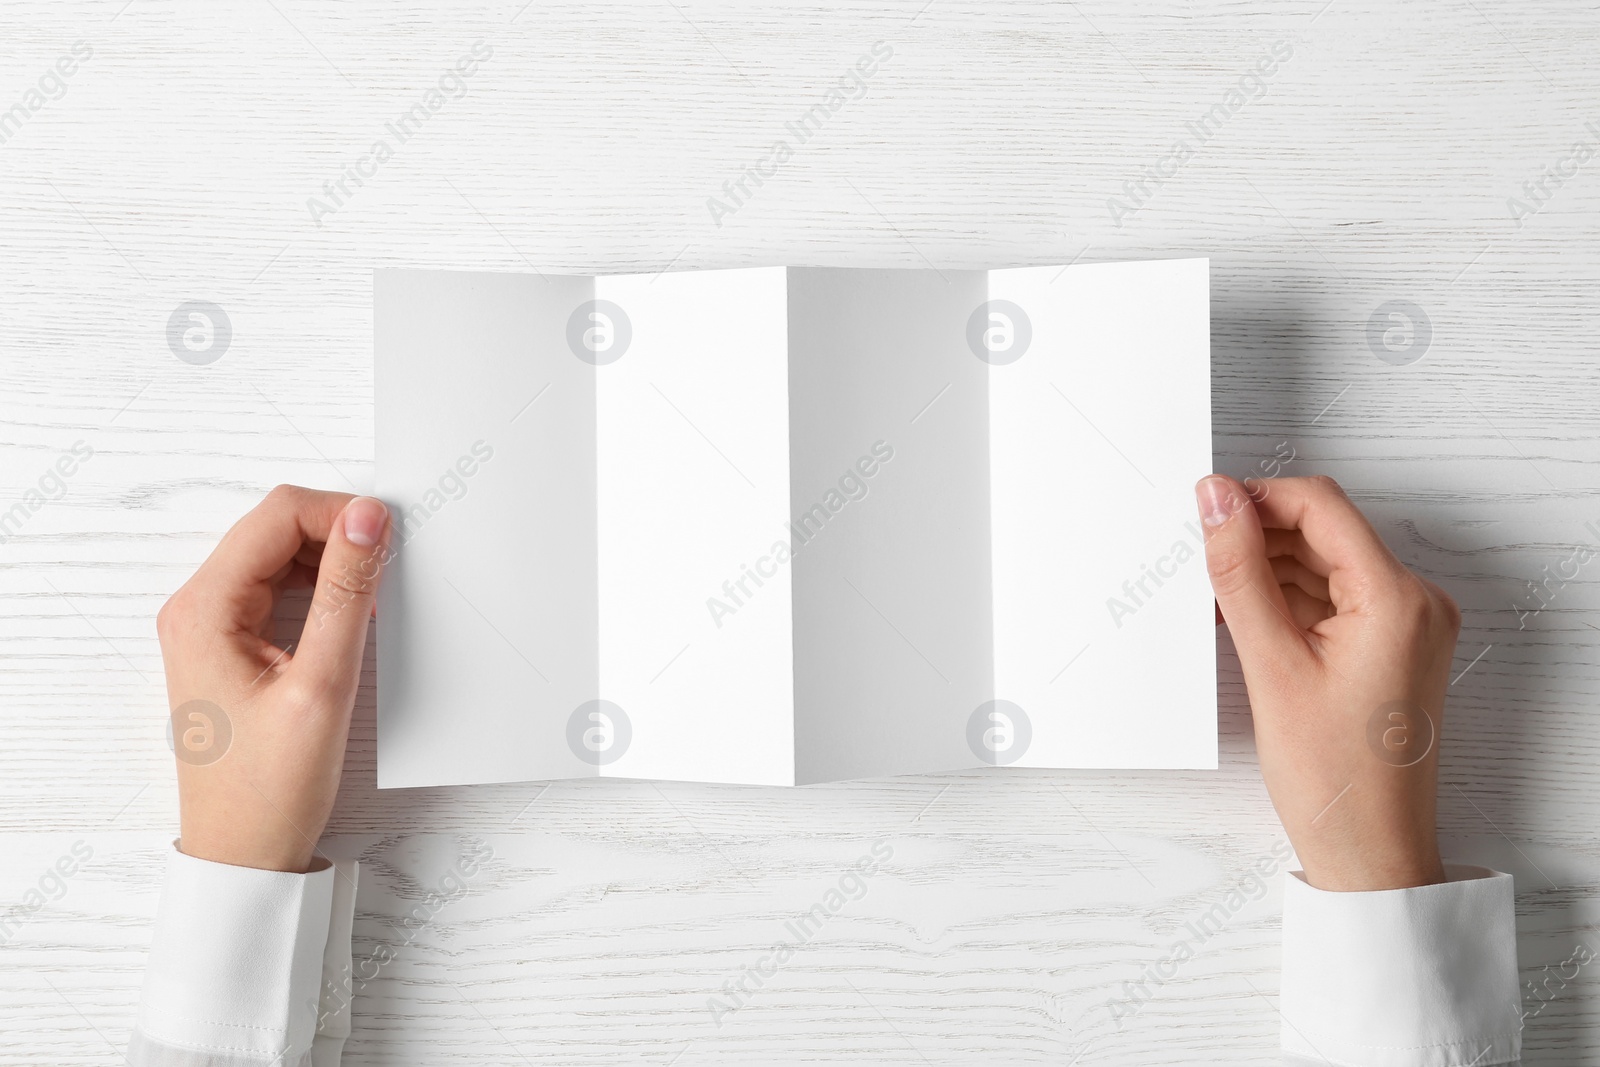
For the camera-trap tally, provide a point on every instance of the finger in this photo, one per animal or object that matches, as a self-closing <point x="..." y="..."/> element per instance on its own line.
<point x="328" y="661"/>
<point x="270" y="537"/>
<point x="1291" y="572"/>
<point x="299" y="576"/>
<point x="1246" y="589"/>
<point x="294" y="575"/>
<point x="267" y="623"/>
<point x="1305" y="609"/>
<point x="1293" y="543"/>
<point x="1332" y="526"/>
<point x="310" y="555"/>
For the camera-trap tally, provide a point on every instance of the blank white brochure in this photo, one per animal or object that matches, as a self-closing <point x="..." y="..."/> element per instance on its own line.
<point x="791" y="525"/>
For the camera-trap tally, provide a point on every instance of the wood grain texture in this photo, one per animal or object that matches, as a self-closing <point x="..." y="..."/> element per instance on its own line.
<point x="1373" y="165"/>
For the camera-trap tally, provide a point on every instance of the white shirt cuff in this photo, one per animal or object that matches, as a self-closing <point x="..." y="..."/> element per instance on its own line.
<point x="236" y="976"/>
<point x="1423" y="977"/>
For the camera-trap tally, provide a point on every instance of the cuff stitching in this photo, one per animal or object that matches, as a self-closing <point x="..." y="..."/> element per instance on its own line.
<point x="151" y="1009"/>
<point x="196" y="1046"/>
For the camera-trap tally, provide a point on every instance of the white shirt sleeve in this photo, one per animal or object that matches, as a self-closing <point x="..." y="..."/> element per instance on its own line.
<point x="1423" y="977"/>
<point x="247" y="968"/>
<point x="251" y="968"/>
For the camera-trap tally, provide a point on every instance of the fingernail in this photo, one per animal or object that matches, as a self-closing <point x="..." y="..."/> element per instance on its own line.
<point x="1216" y="501"/>
<point x="363" y="521"/>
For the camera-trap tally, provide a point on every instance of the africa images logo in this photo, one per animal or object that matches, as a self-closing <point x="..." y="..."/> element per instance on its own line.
<point x="1400" y="733"/>
<point x="598" y="332"/>
<point x="199" y="732"/>
<point x="999" y="332"/>
<point x="199" y="332"/>
<point x="1399" y="332"/>
<point x="598" y="732"/>
<point x="999" y="732"/>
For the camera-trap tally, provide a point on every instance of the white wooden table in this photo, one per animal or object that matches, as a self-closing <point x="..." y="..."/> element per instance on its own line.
<point x="1372" y="165"/>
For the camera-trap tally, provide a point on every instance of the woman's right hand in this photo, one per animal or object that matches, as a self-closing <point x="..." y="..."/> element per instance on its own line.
<point x="1346" y="657"/>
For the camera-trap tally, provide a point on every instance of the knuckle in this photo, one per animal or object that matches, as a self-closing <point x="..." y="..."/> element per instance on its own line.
<point x="349" y="581"/>
<point x="299" y="696"/>
<point x="1228" y="567"/>
<point x="1327" y="485"/>
<point x="1449" y="612"/>
<point x="174" y="616"/>
<point x="1413" y="605"/>
<point x="283" y="493"/>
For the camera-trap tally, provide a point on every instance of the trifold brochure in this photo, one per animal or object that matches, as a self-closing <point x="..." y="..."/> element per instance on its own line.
<point x="791" y="525"/>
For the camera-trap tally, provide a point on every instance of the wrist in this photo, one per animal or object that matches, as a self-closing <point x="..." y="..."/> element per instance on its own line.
<point x="1369" y="873"/>
<point x="259" y="855"/>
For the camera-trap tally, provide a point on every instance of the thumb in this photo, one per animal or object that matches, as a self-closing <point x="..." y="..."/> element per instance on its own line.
<point x="329" y="658"/>
<point x="1241" y="575"/>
